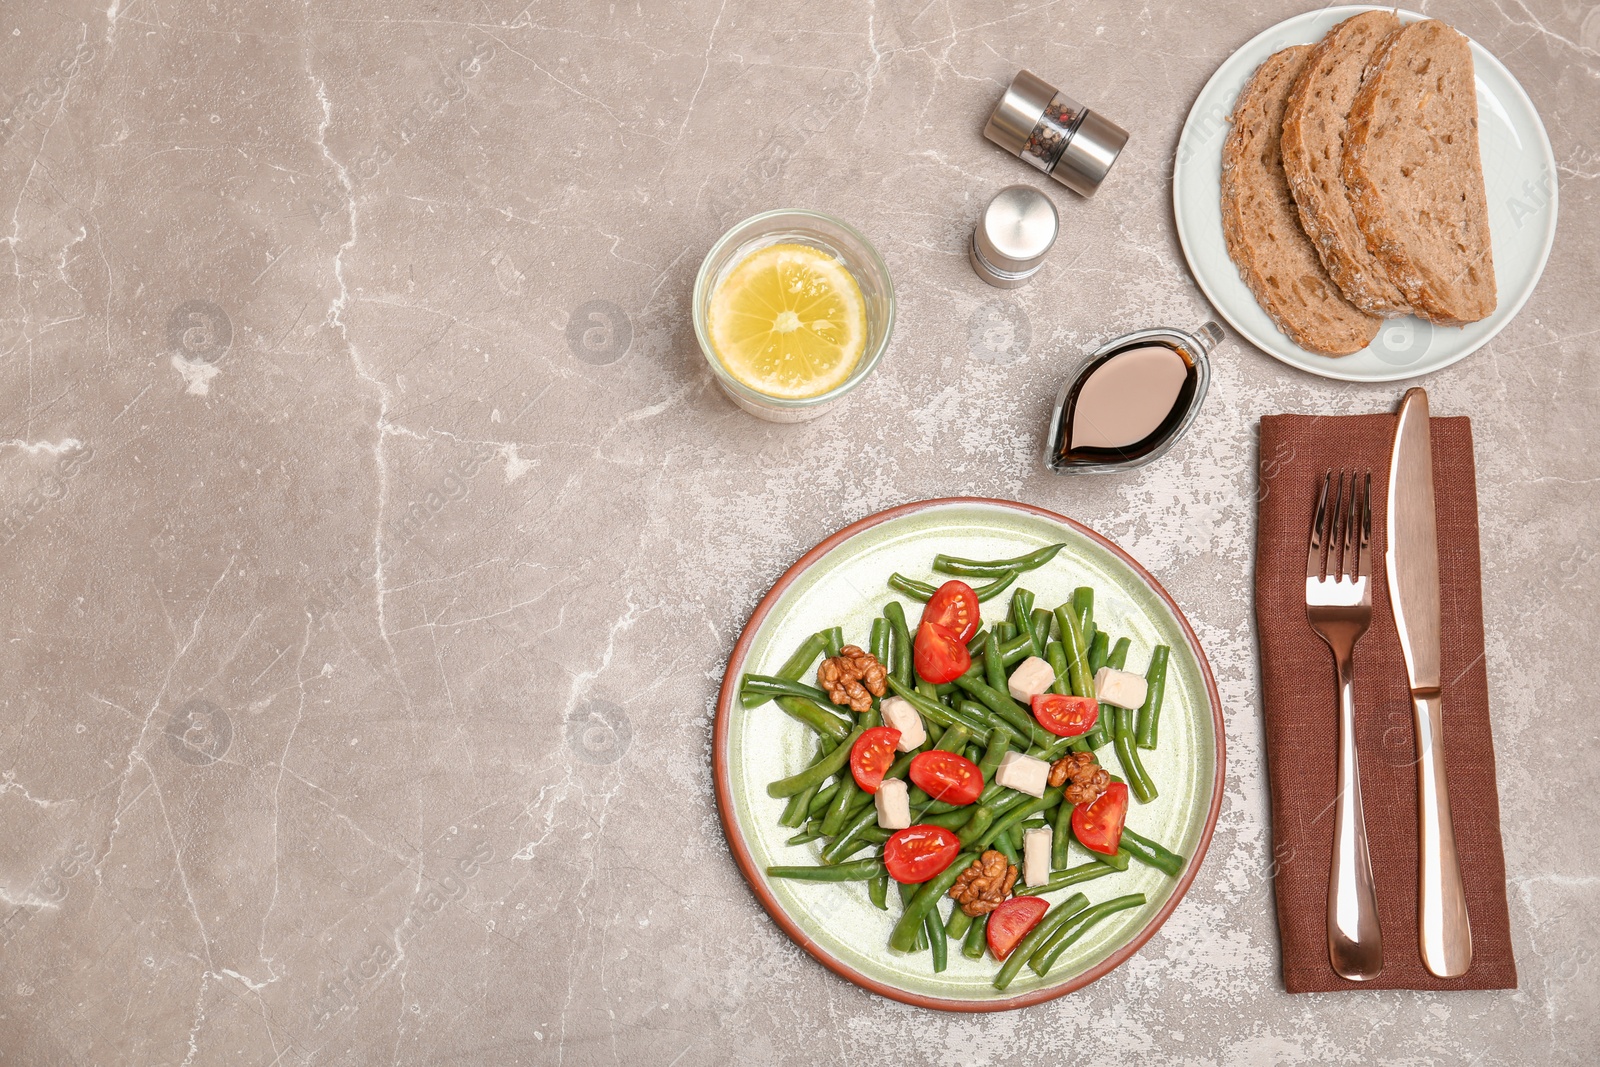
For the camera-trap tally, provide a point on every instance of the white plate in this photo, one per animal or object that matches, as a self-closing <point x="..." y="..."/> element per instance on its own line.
<point x="1519" y="173"/>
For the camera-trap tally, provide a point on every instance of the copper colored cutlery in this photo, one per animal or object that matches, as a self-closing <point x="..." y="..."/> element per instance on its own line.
<point x="1339" y="608"/>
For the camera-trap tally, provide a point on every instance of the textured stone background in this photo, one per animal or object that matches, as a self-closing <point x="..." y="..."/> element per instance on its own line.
<point x="366" y="584"/>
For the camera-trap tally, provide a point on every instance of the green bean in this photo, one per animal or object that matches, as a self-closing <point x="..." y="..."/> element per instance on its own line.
<point x="1042" y="931"/>
<point x="976" y="826"/>
<point x="1138" y="778"/>
<point x="1150" y="852"/>
<point x="809" y="834"/>
<point x="1072" y="643"/>
<point x="1150" y="714"/>
<point x="815" y="716"/>
<point x="934" y="711"/>
<point x="878" y="890"/>
<point x="1071" y="932"/>
<point x="842" y="845"/>
<point x="1084" y="872"/>
<point x="902" y="642"/>
<point x="973" y="752"/>
<point x="856" y="871"/>
<point x="819" y="803"/>
<point x="1117" y="659"/>
<point x="1062" y="836"/>
<point x="934" y="926"/>
<point x="975" y="646"/>
<point x="1009" y="712"/>
<point x="822" y="769"/>
<point x="911" y="587"/>
<point x="1099" y="649"/>
<point x="1004" y="822"/>
<point x="988" y="568"/>
<point x="958" y="924"/>
<point x="1094" y="739"/>
<point x="977" y="938"/>
<point x="794" y="812"/>
<point x="916" y="938"/>
<point x="776" y="687"/>
<point x="1022" y="617"/>
<point x="1083" y="605"/>
<point x="994" y="673"/>
<point x="954" y="819"/>
<point x="838" y="812"/>
<point x="1003" y="845"/>
<point x="1056" y="656"/>
<point x="795" y="667"/>
<point x="878" y="642"/>
<point x="875" y="835"/>
<point x="988" y="720"/>
<point x="954" y="738"/>
<point x="996" y="587"/>
<point x="993" y="754"/>
<point x="1043" y="619"/>
<point x="833" y="640"/>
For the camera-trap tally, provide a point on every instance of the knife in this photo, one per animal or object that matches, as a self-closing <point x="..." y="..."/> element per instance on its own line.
<point x="1412" y="561"/>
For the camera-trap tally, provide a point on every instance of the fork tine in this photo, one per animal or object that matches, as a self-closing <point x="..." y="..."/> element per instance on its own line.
<point x="1352" y="530"/>
<point x="1314" y="555"/>
<point x="1366" y="527"/>
<point x="1339" y="516"/>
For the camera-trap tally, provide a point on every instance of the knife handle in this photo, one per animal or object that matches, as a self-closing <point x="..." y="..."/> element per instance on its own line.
<point x="1445" y="932"/>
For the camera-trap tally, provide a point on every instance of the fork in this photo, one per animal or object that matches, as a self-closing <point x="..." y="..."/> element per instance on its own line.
<point x="1339" y="609"/>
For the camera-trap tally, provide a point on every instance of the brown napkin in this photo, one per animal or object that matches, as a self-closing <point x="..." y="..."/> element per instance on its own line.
<point x="1298" y="694"/>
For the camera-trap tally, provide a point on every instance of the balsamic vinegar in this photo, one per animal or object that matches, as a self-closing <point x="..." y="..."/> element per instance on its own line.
<point x="1125" y="405"/>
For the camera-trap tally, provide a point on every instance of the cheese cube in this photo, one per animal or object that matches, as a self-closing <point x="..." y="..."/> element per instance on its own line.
<point x="1032" y="677"/>
<point x="898" y="713"/>
<point x="1122" y="688"/>
<point x="1023" y="773"/>
<point x="894" y="804"/>
<point x="1036" y="854"/>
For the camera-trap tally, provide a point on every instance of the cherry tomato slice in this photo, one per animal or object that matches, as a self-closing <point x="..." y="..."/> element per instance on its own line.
<point x="939" y="655"/>
<point x="1066" y="715"/>
<point x="946" y="776"/>
<point x="955" y="607"/>
<point x="1098" y="826"/>
<point x="1011" y="921"/>
<point x="871" y="755"/>
<point x="919" y="853"/>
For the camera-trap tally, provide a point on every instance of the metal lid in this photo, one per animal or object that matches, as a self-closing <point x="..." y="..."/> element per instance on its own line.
<point x="1089" y="153"/>
<point x="1019" y="111"/>
<point x="1013" y="234"/>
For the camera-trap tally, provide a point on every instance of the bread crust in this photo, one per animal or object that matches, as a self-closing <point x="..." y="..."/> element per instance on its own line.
<point x="1314" y="123"/>
<point x="1261" y="224"/>
<point x="1426" y="217"/>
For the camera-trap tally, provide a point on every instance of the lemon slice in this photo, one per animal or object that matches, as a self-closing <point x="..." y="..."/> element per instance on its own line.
<point x="789" y="321"/>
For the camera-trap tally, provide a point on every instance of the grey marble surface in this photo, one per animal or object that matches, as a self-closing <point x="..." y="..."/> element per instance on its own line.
<point x="375" y="534"/>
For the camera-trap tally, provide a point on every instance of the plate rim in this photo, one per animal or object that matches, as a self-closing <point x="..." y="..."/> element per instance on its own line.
<point x="1333" y="373"/>
<point x="722" y="772"/>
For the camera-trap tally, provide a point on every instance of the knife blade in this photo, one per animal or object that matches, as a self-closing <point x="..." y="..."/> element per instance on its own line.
<point x="1411" y="560"/>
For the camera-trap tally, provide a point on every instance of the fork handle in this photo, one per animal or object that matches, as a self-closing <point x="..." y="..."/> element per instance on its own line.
<point x="1445" y="932"/>
<point x="1355" y="944"/>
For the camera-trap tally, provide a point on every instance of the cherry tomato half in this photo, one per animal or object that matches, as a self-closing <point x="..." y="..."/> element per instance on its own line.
<point x="871" y="755"/>
<point x="955" y="607"/>
<point x="946" y="776"/>
<point x="919" y="853"/>
<point x="1065" y="715"/>
<point x="1011" y="921"/>
<point x="1098" y="826"/>
<point x="939" y="655"/>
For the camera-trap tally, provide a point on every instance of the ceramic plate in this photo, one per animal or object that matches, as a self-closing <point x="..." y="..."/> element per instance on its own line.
<point x="842" y="582"/>
<point x="1519" y="172"/>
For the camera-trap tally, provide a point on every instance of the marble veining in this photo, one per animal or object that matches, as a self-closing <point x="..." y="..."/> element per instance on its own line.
<point x="374" y="533"/>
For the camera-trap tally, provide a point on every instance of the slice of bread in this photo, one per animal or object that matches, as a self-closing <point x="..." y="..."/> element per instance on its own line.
<point x="1415" y="178"/>
<point x="1313" y="155"/>
<point x="1262" y="225"/>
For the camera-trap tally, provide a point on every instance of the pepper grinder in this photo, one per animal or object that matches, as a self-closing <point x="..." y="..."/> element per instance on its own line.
<point x="1054" y="133"/>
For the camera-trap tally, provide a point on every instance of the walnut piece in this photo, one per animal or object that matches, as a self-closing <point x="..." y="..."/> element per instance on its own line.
<point x="1087" y="778"/>
<point x="853" y="678"/>
<point x="984" y="886"/>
